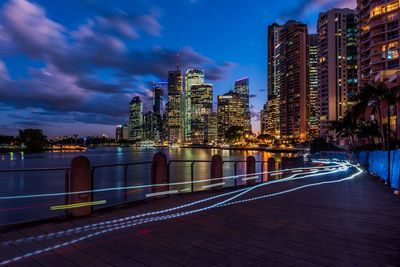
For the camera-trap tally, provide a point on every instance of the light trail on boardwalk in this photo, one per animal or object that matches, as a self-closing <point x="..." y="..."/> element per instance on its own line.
<point x="96" y="225"/>
<point x="131" y="221"/>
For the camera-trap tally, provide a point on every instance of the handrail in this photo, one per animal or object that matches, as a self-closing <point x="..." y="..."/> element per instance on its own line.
<point x="37" y="169"/>
<point x="122" y="164"/>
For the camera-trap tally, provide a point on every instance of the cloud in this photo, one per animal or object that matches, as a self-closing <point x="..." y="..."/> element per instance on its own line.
<point x="218" y="71"/>
<point x="4" y="76"/>
<point x="28" y="27"/>
<point x="91" y="72"/>
<point x="306" y="7"/>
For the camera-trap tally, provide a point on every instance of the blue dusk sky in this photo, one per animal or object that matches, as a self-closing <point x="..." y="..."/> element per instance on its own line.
<point x="72" y="66"/>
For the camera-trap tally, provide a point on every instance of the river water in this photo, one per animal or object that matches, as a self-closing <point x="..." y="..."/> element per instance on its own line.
<point x="17" y="185"/>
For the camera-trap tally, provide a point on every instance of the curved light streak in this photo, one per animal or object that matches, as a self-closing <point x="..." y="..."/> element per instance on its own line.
<point x="152" y="219"/>
<point x="131" y="218"/>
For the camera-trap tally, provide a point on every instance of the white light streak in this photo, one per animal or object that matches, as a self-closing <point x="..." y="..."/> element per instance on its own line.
<point x="101" y="224"/>
<point x="226" y="202"/>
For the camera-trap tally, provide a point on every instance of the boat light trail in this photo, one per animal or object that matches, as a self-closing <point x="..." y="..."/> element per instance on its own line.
<point x="78" y="205"/>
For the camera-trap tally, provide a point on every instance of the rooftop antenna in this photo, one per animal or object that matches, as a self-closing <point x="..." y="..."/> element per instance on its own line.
<point x="177" y="61"/>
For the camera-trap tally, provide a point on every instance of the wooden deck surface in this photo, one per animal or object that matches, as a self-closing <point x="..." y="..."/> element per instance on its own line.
<point x="352" y="223"/>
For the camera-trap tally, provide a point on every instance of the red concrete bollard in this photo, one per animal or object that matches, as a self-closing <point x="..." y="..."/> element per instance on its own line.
<point x="250" y="169"/>
<point x="216" y="171"/>
<point x="81" y="180"/>
<point x="271" y="167"/>
<point x="159" y="172"/>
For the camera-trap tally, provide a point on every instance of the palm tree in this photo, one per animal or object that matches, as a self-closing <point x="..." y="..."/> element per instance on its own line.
<point x="390" y="96"/>
<point x="371" y="97"/>
<point x="346" y="128"/>
<point x="368" y="130"/>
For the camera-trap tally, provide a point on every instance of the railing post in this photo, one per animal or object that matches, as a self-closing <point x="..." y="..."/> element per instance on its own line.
<point x="235" y="172"/>
<point x="81" y="180"/>
<point x="271" y="167"/>
<point x="159" y="172"/>
<point x="66" y="197"/>
<point x="126" y="183"/>
<point x="216" y="170"/>
<point x="262" y="171"/>
<point x="192" y="175"/>
<point x="250" y="169"/>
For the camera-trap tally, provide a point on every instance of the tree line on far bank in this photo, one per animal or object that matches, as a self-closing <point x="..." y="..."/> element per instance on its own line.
<point x="35" y="140"/>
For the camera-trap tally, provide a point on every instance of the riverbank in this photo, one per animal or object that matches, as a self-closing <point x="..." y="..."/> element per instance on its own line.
<point x="261" y="149"/>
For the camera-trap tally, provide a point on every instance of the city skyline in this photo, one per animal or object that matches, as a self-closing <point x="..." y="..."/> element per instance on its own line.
<point x="28" y="74"/>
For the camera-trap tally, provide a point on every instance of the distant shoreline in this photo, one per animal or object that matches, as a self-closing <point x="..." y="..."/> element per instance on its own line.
<point x="263" y="149"/>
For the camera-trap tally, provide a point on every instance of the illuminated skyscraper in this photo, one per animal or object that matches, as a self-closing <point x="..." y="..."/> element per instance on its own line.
<point x="158" y="99"/>
<point x="135" y="119"/>
<point x="378" y="39"/>
<point x="158" y="107"/>
<point x="201" y="105"/>
<point x="150" y="127"/>
<point x="264" y="119"/>
<point x="242" y="88"/>
<point x="192" y="77"/>
<point x="337" y="67"/>
<point x="379" y="45"/>
<point x="293" y="89"/>
<point x="175" y="107"/>
<point x="272" y="109"/>
<point x="211" y="128"/>
<point x="230" y="113"/>
<point x="122" y="133"/>
<point x="313" y="120"/>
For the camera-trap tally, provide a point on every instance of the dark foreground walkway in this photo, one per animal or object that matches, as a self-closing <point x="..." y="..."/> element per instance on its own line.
<point x="351" y="223"/>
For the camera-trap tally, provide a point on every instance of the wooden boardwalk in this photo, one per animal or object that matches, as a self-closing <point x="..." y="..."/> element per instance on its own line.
<point x="352" y="223"/>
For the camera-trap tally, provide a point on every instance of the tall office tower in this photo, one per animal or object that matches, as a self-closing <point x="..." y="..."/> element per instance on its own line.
<point x="293" y="57"/>
<point x="337" y="67"/>
<point x="175" y="107"/>
<point x="158" y="107"/>
<point x="241" y="87"/>
<point x="192" y="77"/>
<point x="150" y="127"/>
<point x="201" y="105"/>
<point x="122" y="133"/>
<point x="211" y="128"/>
<point x="230" y="113"/>
<point x="264" y="119"/>
<point x="135" y="119"/>
<point x="158" y="99"/>
<point x="313" y="120"/>
<point x="273" y="86"/>
<point x="378" y="39"/>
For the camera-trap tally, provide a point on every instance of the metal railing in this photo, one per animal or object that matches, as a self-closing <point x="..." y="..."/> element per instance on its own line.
<point x="126" y="166"/>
